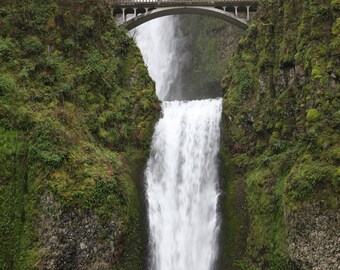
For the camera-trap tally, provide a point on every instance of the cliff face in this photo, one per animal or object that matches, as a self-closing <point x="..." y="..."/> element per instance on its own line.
<point x="207" y="47"/>
<point x="77" y="109"/>
<point x="281" y="140"/>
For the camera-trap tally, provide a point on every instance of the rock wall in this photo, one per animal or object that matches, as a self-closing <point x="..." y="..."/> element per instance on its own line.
<point x="281" y="140"/>
<point x="77" y="110"/>
<point x="75" y="240"/>
<point x="207" y="45"/>
<point x="313" y="238"/>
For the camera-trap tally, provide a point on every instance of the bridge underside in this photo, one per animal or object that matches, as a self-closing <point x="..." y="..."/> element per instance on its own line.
<point x="132" y="15"/>
<point x="166" y="11"/>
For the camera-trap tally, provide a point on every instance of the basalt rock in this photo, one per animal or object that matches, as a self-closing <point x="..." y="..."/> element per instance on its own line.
<point x="313" y="238"/>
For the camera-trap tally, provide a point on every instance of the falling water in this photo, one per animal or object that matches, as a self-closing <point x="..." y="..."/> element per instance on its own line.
<point x="162" y="47"/>
<point x="182" y="183"/>
<point x="181" y="175"/>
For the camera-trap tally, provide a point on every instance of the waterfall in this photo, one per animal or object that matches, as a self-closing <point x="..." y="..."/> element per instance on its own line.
<point x="182" y="174"/>
<point x="161" y="45"/>
<point x="182" y="179"/>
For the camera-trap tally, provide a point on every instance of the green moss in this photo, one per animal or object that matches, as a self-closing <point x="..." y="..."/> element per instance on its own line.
<point x="316" y="73"/>
<point x="70" y="89"/>
<point x="312" y="115"/>
<point x="308" y="179"/>
<point x="31" y="45"/>
<point x="234" y="227"/>
<point x="17" y="193"/>
<point x="7" y="46"/>
<point x="281" y="105"/>
<point x="7" y="84"/>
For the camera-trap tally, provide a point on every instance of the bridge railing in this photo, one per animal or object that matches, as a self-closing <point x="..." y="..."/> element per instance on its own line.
<point x="242" y="9"/>
<point x="131" y="2"/>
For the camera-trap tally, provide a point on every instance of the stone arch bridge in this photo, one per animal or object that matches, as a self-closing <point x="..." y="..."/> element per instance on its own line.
<point x="132" y="13"/>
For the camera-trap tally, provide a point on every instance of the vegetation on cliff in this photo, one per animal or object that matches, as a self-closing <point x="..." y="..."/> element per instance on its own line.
<point x="281" y="139"/>
<point x="77" y="109"/>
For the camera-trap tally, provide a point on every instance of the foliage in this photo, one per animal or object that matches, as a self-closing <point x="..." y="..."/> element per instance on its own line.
<point x="313" y="115"/>
<point x="280" y="108"/>
<point x="307" y="177"/>
<point x="75" y="98"/>
<point x="15" y="205"/>
<point x="7" y="84"/>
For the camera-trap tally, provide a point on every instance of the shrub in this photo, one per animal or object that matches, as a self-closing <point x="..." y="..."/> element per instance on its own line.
<point x="6" y="48"/>
<point x="7" y="84"/>
<point x="32" y="45"/>
<point x="306" y="178"/>
<point x="313" y="115"/>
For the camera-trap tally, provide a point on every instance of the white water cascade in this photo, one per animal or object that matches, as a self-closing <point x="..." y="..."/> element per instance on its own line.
<point x="160" y="43"/>
<point x="182" y="172"/>
<point x="182" y="180"/>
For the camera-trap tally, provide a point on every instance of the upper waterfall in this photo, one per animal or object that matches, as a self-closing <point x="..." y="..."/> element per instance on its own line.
<point x="161" y="45"/>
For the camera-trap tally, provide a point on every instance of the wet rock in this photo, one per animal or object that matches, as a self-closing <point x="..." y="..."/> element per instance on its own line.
<point x="313" y="238"/>
<point x="73" y="240"/>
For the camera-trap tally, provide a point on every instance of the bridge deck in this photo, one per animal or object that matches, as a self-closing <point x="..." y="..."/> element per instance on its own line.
<point x="168" y="3"/>
<point x="132" y="13"/>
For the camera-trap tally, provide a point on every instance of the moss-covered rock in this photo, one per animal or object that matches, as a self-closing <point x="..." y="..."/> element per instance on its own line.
<point x="77" y="110"/>
<point x="281" y="102"/>
<point x="312" y="115"/>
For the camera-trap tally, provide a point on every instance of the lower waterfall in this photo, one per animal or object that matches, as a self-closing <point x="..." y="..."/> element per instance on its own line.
<point x="182" y="186"/>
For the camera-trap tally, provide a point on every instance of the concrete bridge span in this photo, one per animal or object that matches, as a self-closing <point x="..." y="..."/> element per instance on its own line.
<point x="132" y="13"/>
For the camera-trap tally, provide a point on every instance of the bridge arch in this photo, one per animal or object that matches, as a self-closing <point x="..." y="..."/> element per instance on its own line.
<point x="148" y="15"/>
